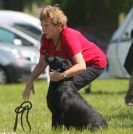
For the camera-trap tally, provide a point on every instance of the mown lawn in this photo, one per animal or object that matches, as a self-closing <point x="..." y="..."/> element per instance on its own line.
<point x="107" y="97"/>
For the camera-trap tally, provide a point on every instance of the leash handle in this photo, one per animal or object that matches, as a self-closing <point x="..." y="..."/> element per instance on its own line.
<point x="25" y="106"/>
<point x="16" y="122"/>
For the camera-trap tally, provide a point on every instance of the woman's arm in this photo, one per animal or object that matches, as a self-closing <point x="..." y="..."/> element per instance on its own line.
<point x="36" y="72"/>
<point x="78" y="67"/>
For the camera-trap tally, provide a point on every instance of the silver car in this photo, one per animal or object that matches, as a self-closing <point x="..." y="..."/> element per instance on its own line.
<point x="16" y="62"/>
<point x="27" y="24"/>
<point x="22" y="21"/>
<point x="24" y="44"/>
<point x="11" y="35"/>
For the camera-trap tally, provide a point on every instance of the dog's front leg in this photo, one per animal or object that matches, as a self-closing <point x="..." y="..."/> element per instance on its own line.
<point x="57" y="120"/>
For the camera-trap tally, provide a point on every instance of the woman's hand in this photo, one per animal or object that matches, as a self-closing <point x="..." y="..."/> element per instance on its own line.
<point x="29" y="87"/>
<point x="56" y="76"/>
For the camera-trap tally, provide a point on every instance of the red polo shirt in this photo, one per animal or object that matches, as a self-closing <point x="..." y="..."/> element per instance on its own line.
<point x="73" y="42"/>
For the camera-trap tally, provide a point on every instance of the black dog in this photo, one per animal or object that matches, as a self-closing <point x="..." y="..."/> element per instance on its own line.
<point x="68" y="108"/>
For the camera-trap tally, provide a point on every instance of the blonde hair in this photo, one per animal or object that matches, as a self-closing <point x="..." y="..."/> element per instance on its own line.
<point x="55" y="14"/>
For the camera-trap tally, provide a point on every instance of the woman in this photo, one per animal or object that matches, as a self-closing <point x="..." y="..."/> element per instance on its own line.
<point x="59" y="40"/>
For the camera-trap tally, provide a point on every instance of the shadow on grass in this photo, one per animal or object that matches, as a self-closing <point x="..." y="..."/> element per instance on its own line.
<point x="106" y="92"/>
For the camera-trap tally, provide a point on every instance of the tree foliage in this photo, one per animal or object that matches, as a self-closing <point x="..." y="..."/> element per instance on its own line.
<point x="17" y="5"/>
<point x="99" y="15"/>
<point x="79" y="12"/>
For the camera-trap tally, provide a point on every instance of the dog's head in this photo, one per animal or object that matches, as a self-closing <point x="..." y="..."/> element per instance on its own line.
<point x="57" y="63"/>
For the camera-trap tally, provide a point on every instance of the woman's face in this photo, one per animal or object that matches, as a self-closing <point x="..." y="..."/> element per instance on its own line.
<point x="50" y="31"/>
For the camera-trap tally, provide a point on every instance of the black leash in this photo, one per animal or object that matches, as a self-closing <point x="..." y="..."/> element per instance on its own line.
<point x="24" y="107"/>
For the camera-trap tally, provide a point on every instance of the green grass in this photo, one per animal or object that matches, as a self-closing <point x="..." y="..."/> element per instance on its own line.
<point x="107" y="97"/>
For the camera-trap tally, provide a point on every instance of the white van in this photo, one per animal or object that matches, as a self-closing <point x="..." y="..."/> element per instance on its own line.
<point x="119" y="46"/>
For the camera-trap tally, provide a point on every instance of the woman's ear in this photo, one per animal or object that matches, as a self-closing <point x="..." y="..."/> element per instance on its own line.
<point x="60" y="27"/>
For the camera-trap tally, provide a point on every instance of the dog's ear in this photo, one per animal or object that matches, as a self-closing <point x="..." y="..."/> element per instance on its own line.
<point x="66" y="64"/>
<point x="49" y="59"/>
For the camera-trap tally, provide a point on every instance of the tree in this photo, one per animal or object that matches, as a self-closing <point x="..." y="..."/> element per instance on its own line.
<point x="17" y="5"/>
<point x="99" y="15"/>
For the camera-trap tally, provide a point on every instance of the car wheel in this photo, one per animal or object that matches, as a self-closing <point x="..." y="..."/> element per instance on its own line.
<point x="3" y="76"/>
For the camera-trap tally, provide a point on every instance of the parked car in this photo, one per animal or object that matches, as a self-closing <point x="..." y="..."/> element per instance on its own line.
<point x="22" y="21"/>
<point x="16" y="38"/>
<point x="16" y="62"/>
<point x="119" y="46"/>
<point x="25" y="23"/>
<point x="11" y="35"/>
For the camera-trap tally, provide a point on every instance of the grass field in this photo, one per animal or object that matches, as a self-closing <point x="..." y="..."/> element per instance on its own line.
<point x="107" y="97"/>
